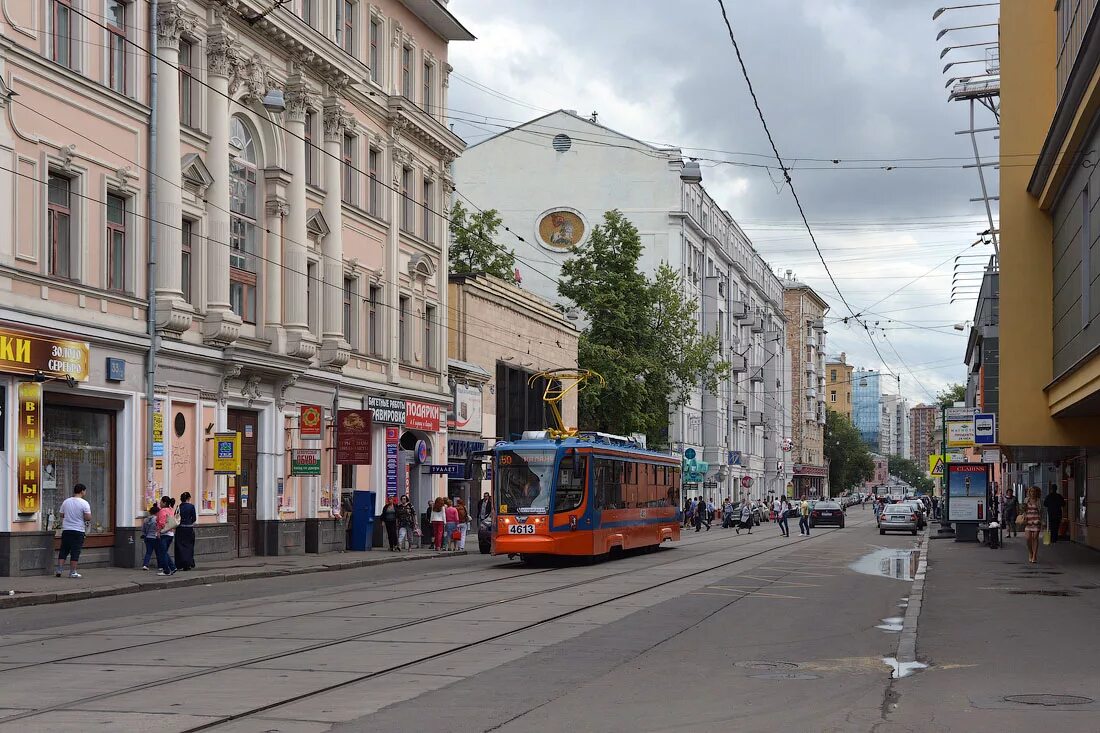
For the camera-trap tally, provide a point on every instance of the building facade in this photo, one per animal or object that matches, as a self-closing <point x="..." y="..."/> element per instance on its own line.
<point x="551" y="183"/>
<point x="805" y="311"/>
<point x="881" y="475"/>
<point x="867" y="406"/>
<point x="291" y="187"/>
<point x="1049" y="351"/>
<point x="838" y="384"/>
<point x="922" y="433"/>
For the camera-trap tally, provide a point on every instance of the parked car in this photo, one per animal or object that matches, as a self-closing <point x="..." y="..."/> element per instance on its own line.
<point x="918" y="506"/>
<point x="898" y="518"/>
<point x="827" y="512"/>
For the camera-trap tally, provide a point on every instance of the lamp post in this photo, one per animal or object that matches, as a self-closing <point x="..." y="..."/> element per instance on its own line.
<point x="941" y="11"/>
<point x="949" y="49"/>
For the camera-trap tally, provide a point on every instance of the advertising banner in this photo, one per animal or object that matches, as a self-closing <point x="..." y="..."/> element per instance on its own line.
<point x="227" y="454"/>
<point x="467" y="408"/>
<point x="385" y="410"/>
<point x="968" y="490"/>
<point x="158" y="428"/>
<point x="960" y="433"/>
<point x="311" y="419"/>
<point x="393" y="435"/>
<point x="29" y="450"/>
<point x="353" y="439"/>
<point x="305" y="462"/>
<point x="26" y="353"/>
<point x="422" y="416"/>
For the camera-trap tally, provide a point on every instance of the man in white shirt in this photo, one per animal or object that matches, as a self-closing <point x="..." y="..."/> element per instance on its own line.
<point x="75" y="515"/>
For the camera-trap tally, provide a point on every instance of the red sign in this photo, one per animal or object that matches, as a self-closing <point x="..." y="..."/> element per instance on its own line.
<point x="421" y="416"/>
<point x="310" y="421"/>
<point x="353" y="443"/>
<point x="746" y="482"/>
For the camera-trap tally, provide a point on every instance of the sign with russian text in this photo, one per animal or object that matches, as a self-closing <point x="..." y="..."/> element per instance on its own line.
<point x="227" y="454"/>
<point x="353" y="444"/>
<point x="456" y="470"/>
<point x="24" y="353"/>
<point x="422" y="416"/>
<point x="158" y="428"/>
<point x="386" y="410"/>
<point x="393" y="436"/>
<point x="310" y="421"/>
<point x="960" y="433"/>
<point x="305" y="462"/>
<point x="29" y="451"/>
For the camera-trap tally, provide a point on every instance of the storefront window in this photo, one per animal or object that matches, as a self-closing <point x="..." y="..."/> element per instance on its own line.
<point x="78" y="448"/>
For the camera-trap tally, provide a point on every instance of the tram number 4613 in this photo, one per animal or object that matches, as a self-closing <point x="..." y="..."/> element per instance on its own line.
<point x="521" y="529"/>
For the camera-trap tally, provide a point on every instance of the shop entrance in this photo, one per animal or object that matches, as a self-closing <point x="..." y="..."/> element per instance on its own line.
<point x="242" y="490"/>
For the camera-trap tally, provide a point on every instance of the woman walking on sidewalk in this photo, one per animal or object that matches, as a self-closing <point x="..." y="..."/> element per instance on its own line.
<point x="450" y="526"/>
<point x="1033" y="513"/>
<point x="185" y="533"/>
<point x="389" y="518"/>
<point x="437" y="518"/>
<point x="784" y="509"/>
<point x="1011" y="511"/>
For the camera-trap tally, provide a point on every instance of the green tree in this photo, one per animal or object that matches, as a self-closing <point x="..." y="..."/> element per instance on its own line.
<point x="911" y="473"/>
<point x="641" y="335"/>
<point x="952" y="394"/>
<point x="850" y="461"/>
<point x="473" y="249"/>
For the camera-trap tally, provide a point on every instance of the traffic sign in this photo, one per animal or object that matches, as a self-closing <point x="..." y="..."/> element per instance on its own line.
<point x="985" y="428"/>
<point x="935" y="465"/>
<point x="960" y="413"/>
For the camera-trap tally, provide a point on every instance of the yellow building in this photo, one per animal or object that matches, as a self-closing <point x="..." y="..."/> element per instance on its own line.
<point x="1050" y="293"/>
<point x="838" y="385"/>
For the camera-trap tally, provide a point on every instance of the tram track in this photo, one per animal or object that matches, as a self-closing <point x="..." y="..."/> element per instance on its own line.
<point x="404" y="624"/>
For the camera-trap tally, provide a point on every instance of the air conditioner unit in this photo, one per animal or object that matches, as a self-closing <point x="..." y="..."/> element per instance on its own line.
<point x="739" y="309"/>
<point x="757" y="374"/>
<point x="756" y="417"/>
<point x="738" y="412"/>
<point x="738" y="363"/>
<point x="757" y="325"/>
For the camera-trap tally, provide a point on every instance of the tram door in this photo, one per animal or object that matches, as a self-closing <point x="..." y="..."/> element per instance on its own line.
<point x="242" y="489"/>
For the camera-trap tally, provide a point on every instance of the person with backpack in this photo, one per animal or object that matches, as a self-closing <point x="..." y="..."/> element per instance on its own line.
<point x="166" y="532"/>
<point x="149" y="535"/>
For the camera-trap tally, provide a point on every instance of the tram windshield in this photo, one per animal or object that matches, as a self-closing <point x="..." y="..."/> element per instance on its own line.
<point x="524" y="481"/>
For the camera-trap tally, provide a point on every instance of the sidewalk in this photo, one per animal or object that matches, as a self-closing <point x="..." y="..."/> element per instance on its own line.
<point x="98" y="582"/>
<point x="1010" y="646"/>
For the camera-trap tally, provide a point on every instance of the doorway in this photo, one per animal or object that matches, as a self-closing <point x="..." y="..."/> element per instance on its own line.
<point x="242" y="490"/>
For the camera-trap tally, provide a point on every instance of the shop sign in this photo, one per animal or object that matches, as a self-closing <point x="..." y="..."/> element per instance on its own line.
<point x="24" y="353"/>
<point x="393" y="435"/>
<point x="29" y="452"/>
<point x="467" y="408"/>
<point x="353" y="437"/>
<point x="385" y="410"/>
<point x="227" y="454"/>
<point x="453" y="470"/>
<point x="310" y="420"/>
<point x="421" y="416"/>
<point x="960" y="433"/>
<point x="461" y="449"/>
<point x="158" y="428"/>
<point x="305" y="462"/>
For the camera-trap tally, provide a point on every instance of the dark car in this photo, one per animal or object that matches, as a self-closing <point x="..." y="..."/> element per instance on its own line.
<point x="827" y="512"/>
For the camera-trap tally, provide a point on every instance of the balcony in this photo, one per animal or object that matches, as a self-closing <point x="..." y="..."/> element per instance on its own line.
<point x="738" y="363"/>
<point x="756" y="417"/>
<point x="757" y="374"/>
<point x="811" y="393"/>
<point x="756" y="325"/>
<point x="739" y="309"/>
<point x="738" y="412"/>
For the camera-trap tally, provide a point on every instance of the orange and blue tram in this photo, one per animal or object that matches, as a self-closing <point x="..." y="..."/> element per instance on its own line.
<point x="586" y="495"/>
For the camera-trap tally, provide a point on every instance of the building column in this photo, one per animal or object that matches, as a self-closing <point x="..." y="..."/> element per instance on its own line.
<point x="334" y="347"/>
<point x="221" y="326"/>
<point x="276" y="210"/>
<point x="398" y="159"/>
<point x="173" y="315"/>
<point x="299" y="341"/>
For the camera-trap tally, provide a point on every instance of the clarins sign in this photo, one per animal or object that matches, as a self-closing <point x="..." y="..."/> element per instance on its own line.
<point x="27" y="353"/>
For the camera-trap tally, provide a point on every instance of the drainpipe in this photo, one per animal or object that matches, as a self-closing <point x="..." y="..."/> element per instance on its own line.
<point x="151" y="267"/>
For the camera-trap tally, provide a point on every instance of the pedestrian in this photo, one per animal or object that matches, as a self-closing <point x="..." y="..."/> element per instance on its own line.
<point x="438" y="518"/>
<point x="784" y="509"/>
<point x="76" y="513"/>
<point x="485" y="507"/>
<point x="1011" y="511"/>
<point x="777" y="509"/>
<point x="185" y="533"/>
<point x="710" y="513"/>
<point x="687" y="511"/>
<point x="450" y="518"/>
<point x="389" y="519"/>
<point x="1054" y="503"/>
<point x="746" y="517"/>
<point x="149" y="535"/>
<point x="1033" y="515"/>
<point x="804" y="516"/>
<point x="166" y="532"/>
<point x="406" y="523"/>
<point x="701" y="515"/>
<point x="463" y="522"/>
<point x="727" y="513"/>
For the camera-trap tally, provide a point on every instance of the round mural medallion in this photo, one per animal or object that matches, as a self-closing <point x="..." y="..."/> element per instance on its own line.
<point x="561" y="229"/>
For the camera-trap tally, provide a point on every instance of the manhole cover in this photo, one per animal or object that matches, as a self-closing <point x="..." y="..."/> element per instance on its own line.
<point x="786" y="676"/>
<point x="1058" y="593"/>
<point x="765" y="665"/>
<point x="1048" y="700"/>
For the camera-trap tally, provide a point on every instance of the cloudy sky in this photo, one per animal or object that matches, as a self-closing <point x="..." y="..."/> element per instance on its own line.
<point x="856" y="81"/>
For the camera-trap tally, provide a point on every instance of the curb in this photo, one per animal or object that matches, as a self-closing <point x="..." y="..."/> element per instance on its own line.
<point x="227" y="576"/>
<point x="907" y="644"/>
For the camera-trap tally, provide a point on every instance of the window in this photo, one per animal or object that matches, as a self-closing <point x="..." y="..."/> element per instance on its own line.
<point x="116" y="44"/>
<point x="406" y="72"/>
<point x="406" y="199"/>
<point x="569" y="492"/>
<point x="429" y="336"/>
<point x="402" y="334"/>
<point x="311" y="150"/>
<point x="375" y="59"/>
<point x="188" y="114"/>
<point x="374" y="202"/>
<point x="426" y="99"/>
<point x="349" y="310"/>
<point x="427" y="210"/>
<point x="61" y="20"/>
<point x="242" y="221"/>
<point x="116" y="243"/>
<point x="312" y="285"/>
<point x="849" y="395"/>
<point x="347" y="191"/>
<point x="832" y="375"/>
<point x="832" y="395"/>
<point x="374" y="324"/>
<point x="79" y="443"/>
<point x="345" y="25"/>
<point x="59" y="227"/>
<point x="187" y="231"/>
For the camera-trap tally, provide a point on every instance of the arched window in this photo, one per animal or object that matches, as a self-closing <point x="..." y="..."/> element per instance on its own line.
<point x="242" y="223"/>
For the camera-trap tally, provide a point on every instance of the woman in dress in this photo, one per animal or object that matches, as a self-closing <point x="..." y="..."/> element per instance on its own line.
<point x="389" y="518"/>
<point x="438" y="517"/>
<point x="1033" y="515"/>
<point x="185" y="533"/>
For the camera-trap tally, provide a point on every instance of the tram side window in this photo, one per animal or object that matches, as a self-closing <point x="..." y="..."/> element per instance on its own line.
<point x="609" y="492"/>
<point x="569" y="493"/>
<point x="673" y="495"/>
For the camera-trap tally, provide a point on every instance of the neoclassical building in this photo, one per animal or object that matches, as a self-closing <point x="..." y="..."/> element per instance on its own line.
<point x="288" y="181"/>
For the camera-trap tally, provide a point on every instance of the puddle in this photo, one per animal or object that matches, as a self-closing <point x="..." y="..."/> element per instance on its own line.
<point x="902" y="669"/>
<point x="888" y="563"/>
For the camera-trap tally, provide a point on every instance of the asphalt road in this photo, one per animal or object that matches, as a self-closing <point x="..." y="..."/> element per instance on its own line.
<point x="721" y="632"/>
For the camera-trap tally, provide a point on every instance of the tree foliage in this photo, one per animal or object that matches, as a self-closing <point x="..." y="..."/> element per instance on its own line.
<point x="911" y="473"/>
<point x="474" y="248"/>
<point x="952" y="394"/>
<point x="641" y="335"/>
<point x="850" y="461"/>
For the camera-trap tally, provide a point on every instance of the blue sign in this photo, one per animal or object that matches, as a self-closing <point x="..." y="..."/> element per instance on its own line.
<point x="985" y="428"/>
<point x="116" y="369"/>
<point x="689" y="454"/>
<point x="392" y="444"/>
<point x="734" y="458"/>
<point x="450" y="469"/>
